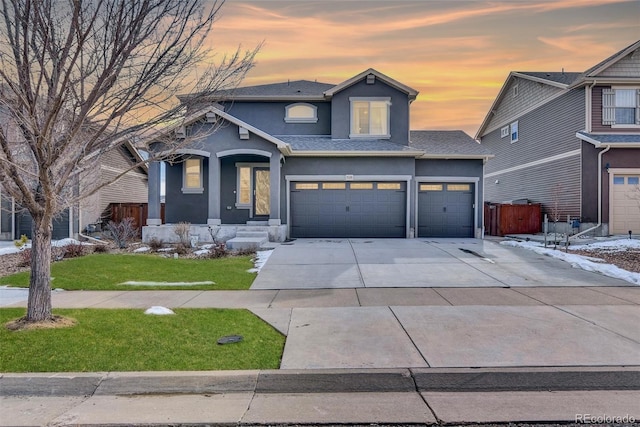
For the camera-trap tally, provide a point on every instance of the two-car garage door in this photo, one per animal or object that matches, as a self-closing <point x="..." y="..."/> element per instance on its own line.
<point x="379" y="209"/>
<point x="348" y="209"/>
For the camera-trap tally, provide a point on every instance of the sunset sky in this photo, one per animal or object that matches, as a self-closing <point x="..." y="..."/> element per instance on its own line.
<point x="455" y="53"/>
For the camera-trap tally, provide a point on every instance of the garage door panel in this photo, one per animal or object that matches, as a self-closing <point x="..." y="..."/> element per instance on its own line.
<point x="349" y="209"/>
<point x="445" y="210"/>
<point x="625" y="204"/>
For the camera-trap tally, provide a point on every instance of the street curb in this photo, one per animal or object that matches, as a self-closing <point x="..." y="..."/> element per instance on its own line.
<point x="321" y="381"/>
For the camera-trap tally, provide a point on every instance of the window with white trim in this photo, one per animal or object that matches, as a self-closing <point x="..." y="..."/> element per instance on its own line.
<point x="514" y="132"/>
<point x="301" y="112"/>
<point x="370" y="117"/>
<point x="192" y="176"/>
<point x="621" y="107"/>
<point x="504" y="132"/>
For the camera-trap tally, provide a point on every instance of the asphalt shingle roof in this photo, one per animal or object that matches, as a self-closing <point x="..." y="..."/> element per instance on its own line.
<point x="325" y="143"/>
<point x="443" y="142"/>
<point x="293" y="89"/>
<point x="613" y="138"/>
<point x="558" y="77"/>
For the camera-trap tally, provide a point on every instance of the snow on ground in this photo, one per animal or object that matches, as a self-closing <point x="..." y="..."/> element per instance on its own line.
<point x="259" y="261"/>
<point x="134" y="283"/>
<point x="610" y="245"/>
<point x="585" y="263"/>
<point x="12" y="249"/>
<point x="142" y="249"/>
<point x="201" y="252"/>
<point x="158" y="310"/>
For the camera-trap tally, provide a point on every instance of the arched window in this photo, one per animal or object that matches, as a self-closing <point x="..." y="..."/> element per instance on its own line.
<point x="301" y="113"/>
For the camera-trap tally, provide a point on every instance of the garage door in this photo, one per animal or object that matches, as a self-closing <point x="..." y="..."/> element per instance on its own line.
<point x="445" y="209"/>
<point x="348" y="209"/>
<point x="625" y="204"/>
<point x="60" y="225"/>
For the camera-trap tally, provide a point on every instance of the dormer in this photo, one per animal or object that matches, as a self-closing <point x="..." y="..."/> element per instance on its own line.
<point x="371" y="105"/>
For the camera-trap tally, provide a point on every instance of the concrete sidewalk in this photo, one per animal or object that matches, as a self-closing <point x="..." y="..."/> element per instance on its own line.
<point x="397" y="396"/>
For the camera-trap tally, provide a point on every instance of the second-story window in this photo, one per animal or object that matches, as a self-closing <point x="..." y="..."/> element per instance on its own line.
<point x="301" y="113"/>
<point x="370" y="117"/>
<point x="514" y="132"/>
<point x="621" y="106"/>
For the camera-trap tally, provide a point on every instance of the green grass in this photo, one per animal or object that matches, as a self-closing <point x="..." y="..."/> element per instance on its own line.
<point x="129" y="340"/>
<point x="107" y="271"/>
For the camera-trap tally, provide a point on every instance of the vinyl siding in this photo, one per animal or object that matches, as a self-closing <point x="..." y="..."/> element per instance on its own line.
<point x="545" y="132"/>
<point x="628" y="66"/>
<point x="530" y="94"/>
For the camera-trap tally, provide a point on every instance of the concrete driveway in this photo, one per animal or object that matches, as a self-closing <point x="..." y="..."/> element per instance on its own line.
<point x="415" y="263"/>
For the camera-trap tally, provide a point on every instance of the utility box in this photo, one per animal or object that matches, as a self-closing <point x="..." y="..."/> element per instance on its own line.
<point x="501" y="219"/>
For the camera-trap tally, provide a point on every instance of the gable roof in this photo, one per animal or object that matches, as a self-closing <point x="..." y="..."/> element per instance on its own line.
<point x="450" y="144"/>
<point x="562" y="80"/>
<point x="412" y="93"/>
<point x="302" y="145"/>
<point x="619" y="140"/>
<point x="297" y="89"/>
<point x="601" y="66"/>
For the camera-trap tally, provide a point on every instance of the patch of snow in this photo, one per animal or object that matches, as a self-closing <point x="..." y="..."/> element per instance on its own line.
<point x="134" y="283"/>
<point x="208" y="246"/>
<point x="65" y="242"/>
<point x="201" y="252"/>
<point x="9" y="250"/>
<point x="159" y="311"/>
<point x="610" y="245"/>
<point x="143" y="249"/>
<point x="54" y="243"/>
<point x="259" y="261"/>
<point x="165" y="249"/>
<point x="578" y="261"/>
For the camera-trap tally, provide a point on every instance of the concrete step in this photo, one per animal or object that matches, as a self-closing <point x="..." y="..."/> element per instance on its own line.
<point x="246" y="243"/>
<point x="258" y="223"/>
<point x="248" y="233"/>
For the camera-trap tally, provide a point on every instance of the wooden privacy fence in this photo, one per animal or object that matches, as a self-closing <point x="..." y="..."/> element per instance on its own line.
<point x="137" y="211"/>
<point x="501" y="219"/>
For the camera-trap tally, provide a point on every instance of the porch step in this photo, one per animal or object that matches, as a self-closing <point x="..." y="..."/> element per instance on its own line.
<point x="258" y="223"/>
<point x="248" y="240"/>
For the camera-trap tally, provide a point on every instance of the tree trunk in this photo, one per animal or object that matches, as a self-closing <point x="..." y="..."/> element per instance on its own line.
<point x="39" y="305"/>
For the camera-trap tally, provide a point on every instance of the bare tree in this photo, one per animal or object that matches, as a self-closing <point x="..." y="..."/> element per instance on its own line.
<point x="79" y="78"/>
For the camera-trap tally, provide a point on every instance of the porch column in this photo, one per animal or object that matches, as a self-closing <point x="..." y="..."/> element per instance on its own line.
<point x="274" y="193"/>
<point x="213" y="217"/>
<point x="153" y="195"/>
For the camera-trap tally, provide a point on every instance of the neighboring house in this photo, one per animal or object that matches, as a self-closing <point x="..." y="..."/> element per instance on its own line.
<point x="131" y="188"/>
<point x="570" y="141"/>
<point x="309" y="159"/>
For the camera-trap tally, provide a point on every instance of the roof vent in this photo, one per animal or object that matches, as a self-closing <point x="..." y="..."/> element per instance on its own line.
<point x="371" y="79"/>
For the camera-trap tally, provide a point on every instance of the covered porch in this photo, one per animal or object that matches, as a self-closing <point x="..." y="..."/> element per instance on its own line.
<point x="223" y="195"/>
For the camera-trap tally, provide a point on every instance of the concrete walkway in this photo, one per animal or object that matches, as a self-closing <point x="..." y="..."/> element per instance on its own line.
<point x="546" y="350"/>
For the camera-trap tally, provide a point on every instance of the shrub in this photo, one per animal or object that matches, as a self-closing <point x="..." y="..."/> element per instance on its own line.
<point x="155" y="244"/>
<point x="25" y="257"/>
<point x="74" y="251"/>
<point x="122" y="232"/>
<point x="217" y="251"/>
<point x="182" y="229"/>
<point x="101" y="249"/>
<point x="21" y="242"/>
<point x="182" y="249"/>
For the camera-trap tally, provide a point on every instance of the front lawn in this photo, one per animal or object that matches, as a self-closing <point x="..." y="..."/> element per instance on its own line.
<point x="129" y="340"/>
<point x="109" y="271"/>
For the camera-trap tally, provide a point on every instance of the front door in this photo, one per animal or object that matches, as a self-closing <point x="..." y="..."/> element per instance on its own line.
<point x="261" y="192"/>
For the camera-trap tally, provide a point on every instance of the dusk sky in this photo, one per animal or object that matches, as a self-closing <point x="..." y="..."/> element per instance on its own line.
<point x="457" y="54"/>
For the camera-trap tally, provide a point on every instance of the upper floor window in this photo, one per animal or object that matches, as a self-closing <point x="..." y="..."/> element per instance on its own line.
<point x="301" y="113"/>
<point x="621" y="107"/>
<point x="370" y="117"/>
<point x="514" y="132"/>
<point x="192" y="176"/>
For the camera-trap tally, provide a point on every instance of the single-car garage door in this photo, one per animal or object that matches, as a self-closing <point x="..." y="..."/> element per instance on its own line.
<point x="348" y="209"/>
<point x="625" y="204"/>
<point x="445" y="209"/>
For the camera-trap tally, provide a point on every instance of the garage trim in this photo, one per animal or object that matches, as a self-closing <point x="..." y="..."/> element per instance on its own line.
<point x="446" y="179"/>
<point x="612" y="173"/>
<point x="349" y="178"/>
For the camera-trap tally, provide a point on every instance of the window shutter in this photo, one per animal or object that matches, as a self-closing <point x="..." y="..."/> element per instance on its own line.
<point x="608" y="107"/>
<point x="638" y="107"/>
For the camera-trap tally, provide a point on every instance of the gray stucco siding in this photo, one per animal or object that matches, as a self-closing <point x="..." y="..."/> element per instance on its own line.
<point x="455" y="168"/>
<point x="399" y="110"/>
<point x="547" y="131"/>
<point x="180" y="207"/>
<point x="270" y="117"/>
<point x="229" y="212"/>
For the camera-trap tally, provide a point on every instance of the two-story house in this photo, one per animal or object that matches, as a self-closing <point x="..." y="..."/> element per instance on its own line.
<point x="309" y="159"/>
<point x="570" y="141"/>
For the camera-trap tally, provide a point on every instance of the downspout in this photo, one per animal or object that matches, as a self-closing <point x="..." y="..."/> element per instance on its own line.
<point x="599" y="195"/>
